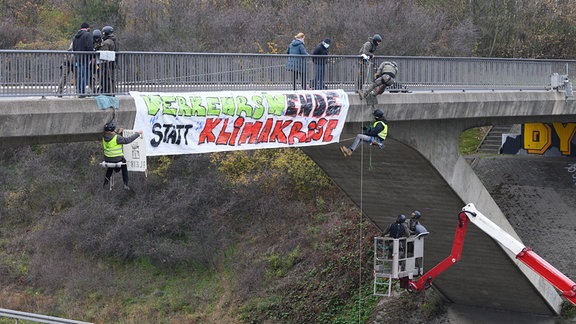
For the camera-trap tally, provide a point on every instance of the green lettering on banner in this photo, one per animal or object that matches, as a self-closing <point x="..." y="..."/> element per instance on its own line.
<point x="167" y="108"/>
<point x="213" y="104"/>
<point x="228" y="106"/>
<point x="276" y="104"/>
<point x="153" y="104"/>
<point x="259" y="109"/>
<point x="243" y="107"/>
<point x="183" y="107"/>
<point x="197" y="108"/>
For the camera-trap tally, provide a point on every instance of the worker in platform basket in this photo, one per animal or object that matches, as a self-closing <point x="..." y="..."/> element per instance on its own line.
<point x="398" y="229"/>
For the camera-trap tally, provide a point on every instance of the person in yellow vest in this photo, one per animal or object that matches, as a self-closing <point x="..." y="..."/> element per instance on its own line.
<point x="112" y="142"/>
<point x="375" y="135"/>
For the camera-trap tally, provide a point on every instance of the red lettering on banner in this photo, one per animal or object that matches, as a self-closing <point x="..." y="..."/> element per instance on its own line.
<point x="273" y="131"/>
<point x="206" y="135"/>
<point x="263" y="138"/>
<point x="332" y="124"/>
<point x="250" y="131"/>
<point x="237" y="125"/>
<point x="296" y="133"/>
<point x="315" y="130"/>
<point x="278" y="134"/>
<point x="224" y="135"/>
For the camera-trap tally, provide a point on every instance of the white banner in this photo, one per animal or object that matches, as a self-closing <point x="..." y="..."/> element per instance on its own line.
<point x="135" y="152"/>
<point x="201" y="122"/>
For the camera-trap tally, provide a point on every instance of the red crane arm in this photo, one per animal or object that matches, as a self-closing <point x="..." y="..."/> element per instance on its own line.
<point x="470" y="214"/>
<point x="566" y="286"/>
<point x="427" y="278"/>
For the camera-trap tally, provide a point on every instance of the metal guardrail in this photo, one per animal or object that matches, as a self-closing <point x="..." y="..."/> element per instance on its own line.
<point x="36" y="317"/>
<point x="38" y="73"/>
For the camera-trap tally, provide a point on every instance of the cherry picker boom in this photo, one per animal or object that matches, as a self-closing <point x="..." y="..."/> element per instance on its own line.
<point x="470" y="214"/>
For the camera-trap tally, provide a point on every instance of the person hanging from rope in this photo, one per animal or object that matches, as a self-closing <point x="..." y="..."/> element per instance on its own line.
<point x="112" y="142"/>
<point x="385" y="77"/>
<point x="375" y="135"/>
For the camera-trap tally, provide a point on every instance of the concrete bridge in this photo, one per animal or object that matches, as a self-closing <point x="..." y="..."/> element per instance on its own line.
<point x="420" y="168"/>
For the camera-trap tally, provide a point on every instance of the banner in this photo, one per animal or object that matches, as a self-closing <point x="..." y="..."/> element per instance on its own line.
<point x="201" y="122"/>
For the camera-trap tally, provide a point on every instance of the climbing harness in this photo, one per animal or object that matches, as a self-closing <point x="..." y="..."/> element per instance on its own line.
<point x="105" y="165"/>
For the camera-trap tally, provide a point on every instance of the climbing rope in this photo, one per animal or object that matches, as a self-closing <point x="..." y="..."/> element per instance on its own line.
<point x="360" y="233"/>
<point x="361" y="218"/>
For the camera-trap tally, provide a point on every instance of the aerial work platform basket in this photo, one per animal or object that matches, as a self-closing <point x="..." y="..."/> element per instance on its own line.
<point x="395" y="259"/>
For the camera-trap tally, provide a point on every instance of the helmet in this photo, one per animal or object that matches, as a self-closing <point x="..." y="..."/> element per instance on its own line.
<point x="107" y="30"/>
<point x="377" y="38"/>
<point x="401" y="219"/>
<point x="110" y="127"/>
<point x="394" y="64"/>
<point x="416" y="214"/>
<point x="96" y="34"/>
<point x="378" y="113"/>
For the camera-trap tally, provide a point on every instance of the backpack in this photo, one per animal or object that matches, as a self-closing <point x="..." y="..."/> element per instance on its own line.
<point x="397" y="230"/>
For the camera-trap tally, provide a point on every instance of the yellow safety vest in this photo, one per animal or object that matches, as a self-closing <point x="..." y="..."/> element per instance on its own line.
<point x="384" y="131"/>
<point x="112" y="148"/>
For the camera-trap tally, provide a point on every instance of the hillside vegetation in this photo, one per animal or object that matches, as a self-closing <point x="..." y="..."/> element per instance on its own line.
<point x="239" y="237"/>
<point x="519" y="29"/>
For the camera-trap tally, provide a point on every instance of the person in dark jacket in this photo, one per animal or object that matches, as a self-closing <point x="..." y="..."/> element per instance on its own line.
<point x="397" y="229"/>
<point x="366" y="54"/>
<point x="296" y="62"/>
<point x="375" y="135"/>
<point x="112" y="142"/>
<point x="320" y="62"/>
<point x="83" y="42"/>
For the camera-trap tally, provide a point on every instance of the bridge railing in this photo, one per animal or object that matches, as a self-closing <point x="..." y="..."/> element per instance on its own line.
<point x="39" y="73"/>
